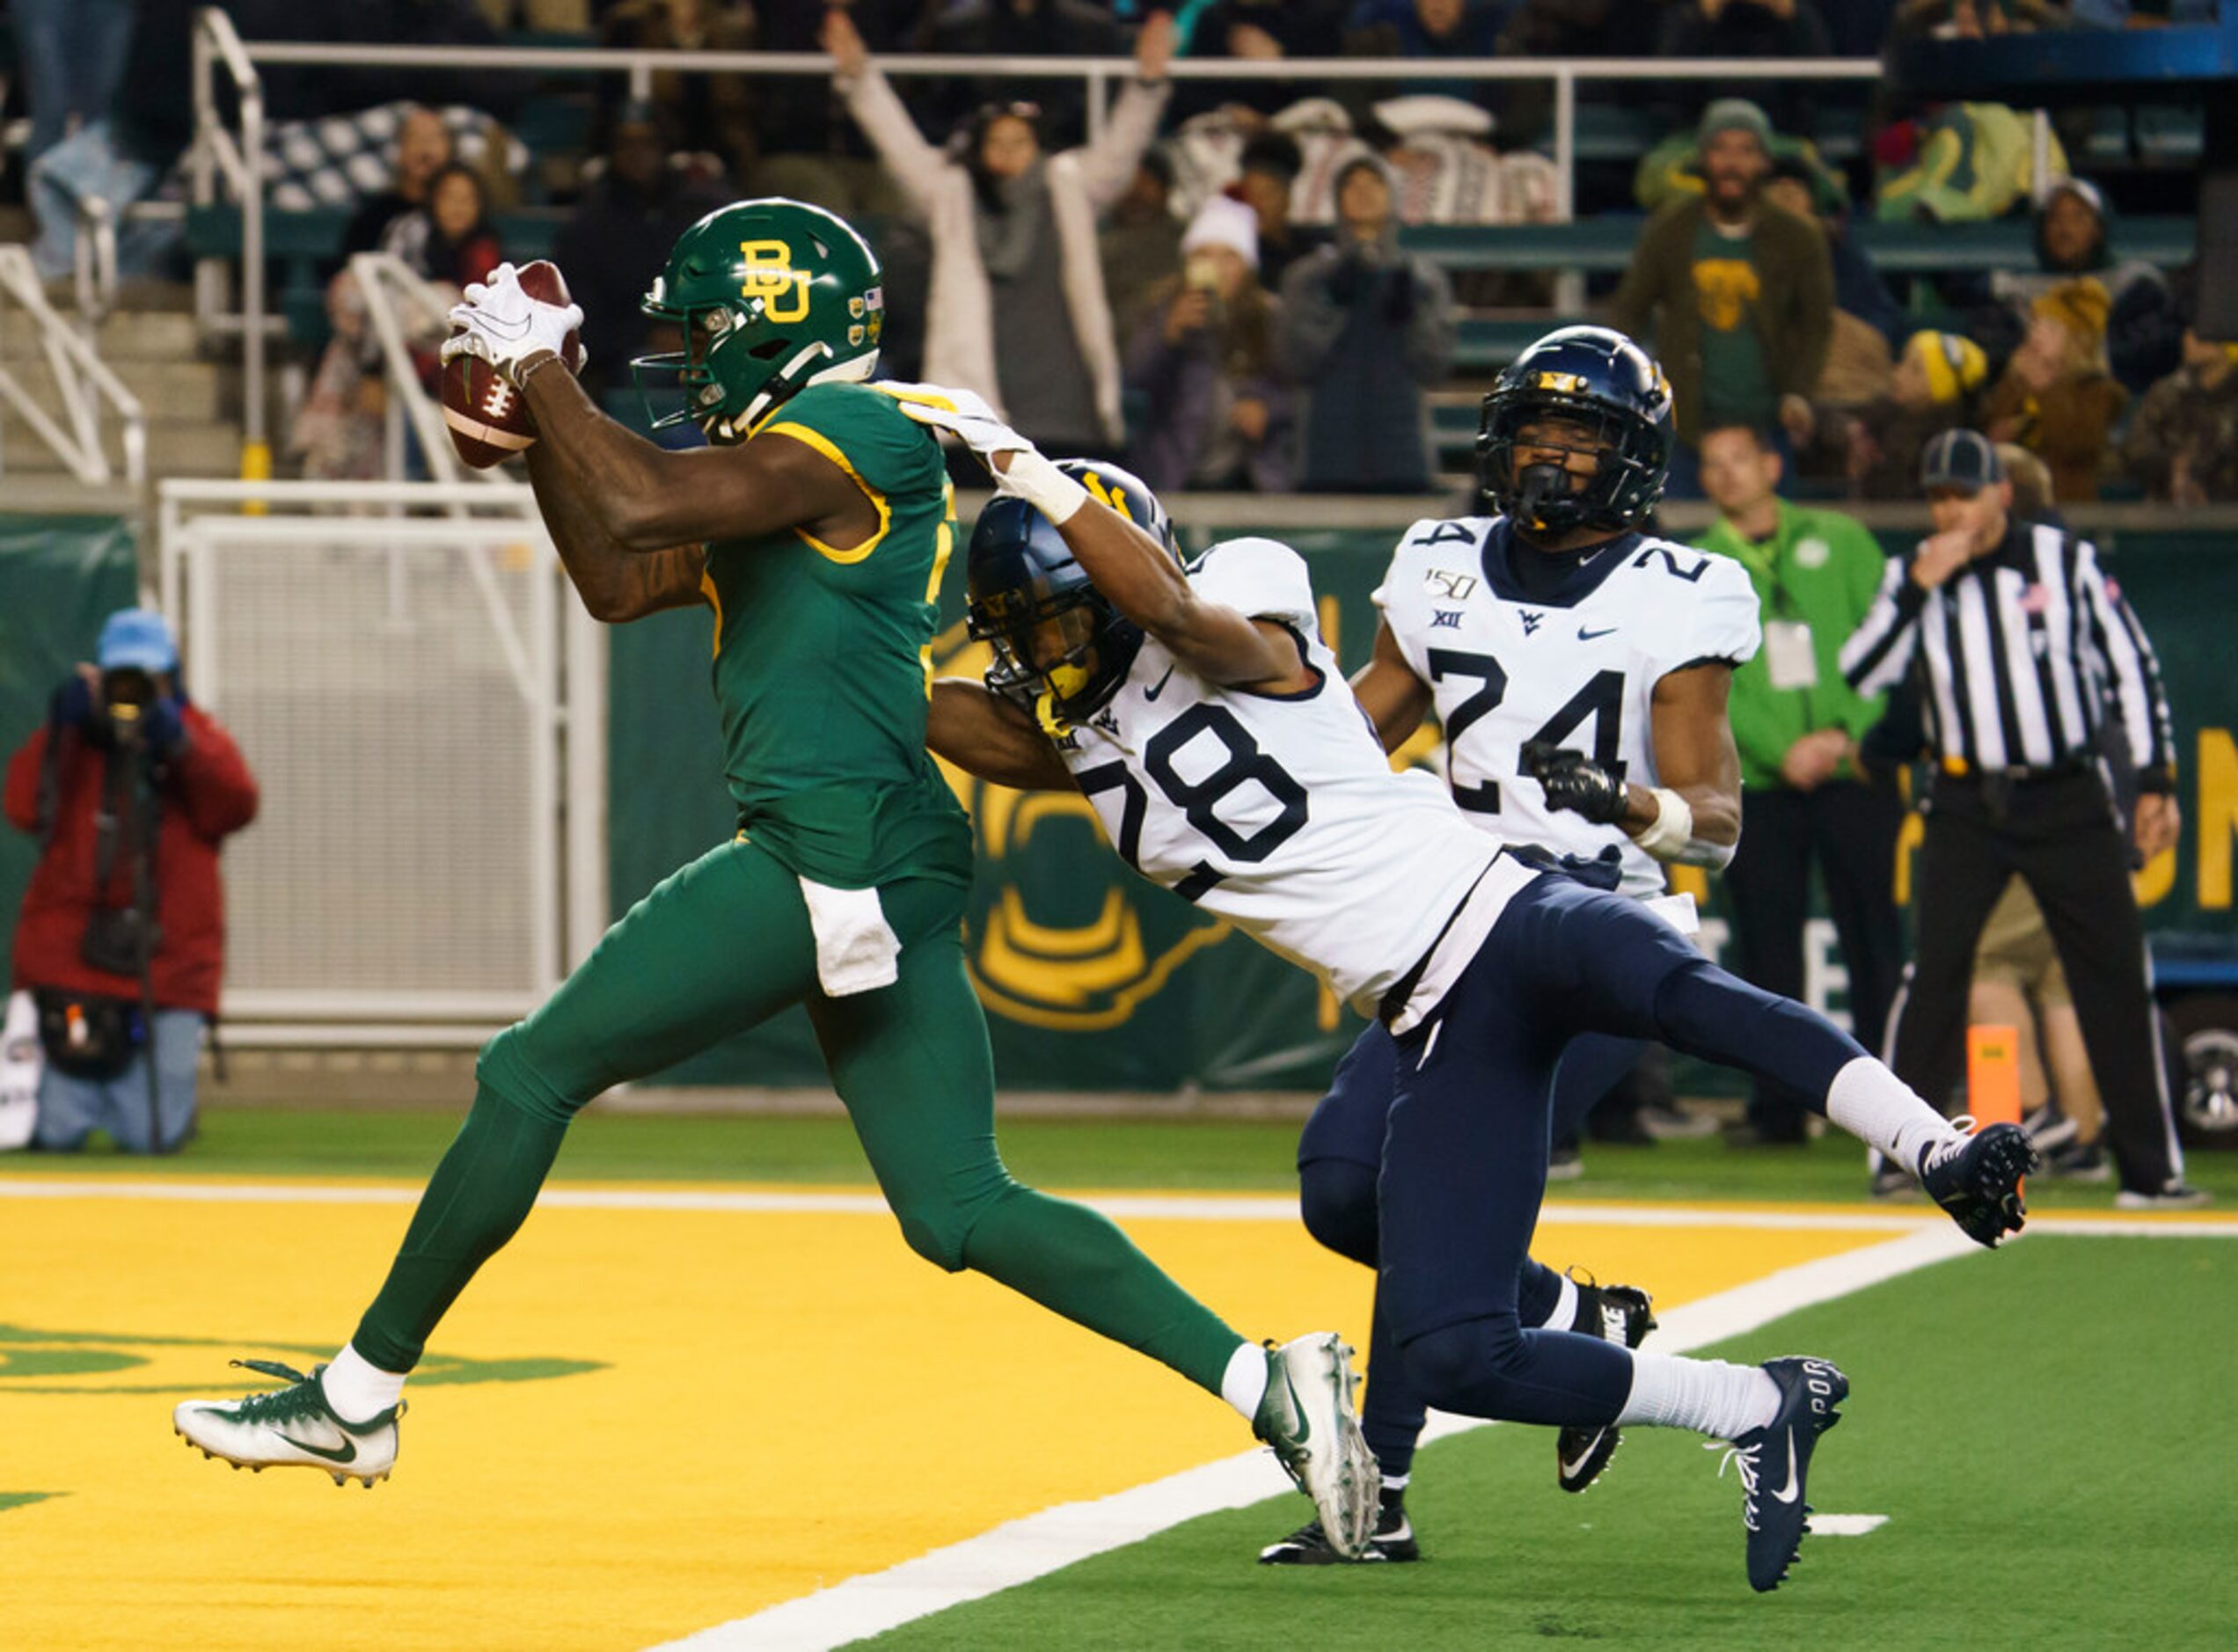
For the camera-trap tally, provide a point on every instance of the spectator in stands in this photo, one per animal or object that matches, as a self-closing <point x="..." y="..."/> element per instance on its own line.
<point x="2056" y="397"/>
<point x="1260" y="31"/>
<point x="130" y="788"/>
<point x="1974" y="19"/>
<point x="1813" y="192"/>
<point x="1561" y="29"/>
<point x="72" y="56"/>
<point x="613" y="243"/>
<point x="1743" y="28"/>
<point x="1958" y="163"/>
<point x="1271" y="163"/>
<point x="2182" y="443"/>
<point x="1424" y="31"/>
<point x="2072" y="225"/>
<point x="810" y="147"/>
<point x="423" y="147"/>
<point x="1217" y="413"/>
<point x="450" y="241"/>
<point x="337" y="432"/>
<point x="1739" y="298"/>
<point x="1933" y="389"/>
<point x="1797" y="725"/>
<point x="709" y="112"/>
<point x="1018" y="310"/>
<point x="1364" y="329"/>
<point x="1022" y="28"/>
<point x="1141" y="243"/>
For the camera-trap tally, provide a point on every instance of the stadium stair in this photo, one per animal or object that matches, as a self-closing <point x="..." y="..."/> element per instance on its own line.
<point x="192" y="404"/>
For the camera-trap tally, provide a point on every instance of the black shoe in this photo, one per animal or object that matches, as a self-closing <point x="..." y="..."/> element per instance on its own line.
<point x="1565" y="1163"/>
<point x="2173" y="1195"/>
<point x="1668" y="1121"/>
<point x="1892" y="1180"/>
<point x="2049" y="1128"/>
<point x="1978" y="1181"/>
<point x="2079" y="1161"/>
<point x="1620" y="1315"/>
<point x="1309" y="1544"/>
<point x="1774" y="1461"/>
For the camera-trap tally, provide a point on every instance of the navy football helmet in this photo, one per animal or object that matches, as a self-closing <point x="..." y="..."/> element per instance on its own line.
<point x="1589" y="377"/>
<point x="1021" y="575"/>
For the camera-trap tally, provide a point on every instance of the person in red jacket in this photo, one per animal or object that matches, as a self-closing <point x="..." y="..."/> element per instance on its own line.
<point x="131" y="789"/>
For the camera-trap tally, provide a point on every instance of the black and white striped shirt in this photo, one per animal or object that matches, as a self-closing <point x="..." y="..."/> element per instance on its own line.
<point x="2026" y="650"/>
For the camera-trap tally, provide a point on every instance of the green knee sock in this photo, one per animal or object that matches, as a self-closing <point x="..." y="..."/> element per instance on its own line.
<point x="480" y="1193"/>
<point x="1074" y="1262"/>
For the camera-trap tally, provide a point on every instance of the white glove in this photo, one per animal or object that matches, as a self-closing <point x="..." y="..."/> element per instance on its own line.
<point x="966" y="416"/>
<point x="504" y="326"/>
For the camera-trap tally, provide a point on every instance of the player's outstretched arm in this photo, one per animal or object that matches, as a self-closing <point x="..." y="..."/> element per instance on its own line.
<point x="615" y="584"/>
<point x="1695" y="758"/>
<point x="1395" y="698"/>
<point x="986" y="735"/>
<point x="647" y="499"/>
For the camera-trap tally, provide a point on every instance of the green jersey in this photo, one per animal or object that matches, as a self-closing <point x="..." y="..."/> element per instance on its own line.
<point x="1816" y="576"/>
<point x="823" y="659"/>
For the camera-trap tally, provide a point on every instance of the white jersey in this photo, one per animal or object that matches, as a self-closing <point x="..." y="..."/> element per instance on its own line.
<point x="1281" y="812"/>
<point x="1578" y="669"/>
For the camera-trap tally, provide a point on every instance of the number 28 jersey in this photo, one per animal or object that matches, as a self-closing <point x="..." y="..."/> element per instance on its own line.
<point x="1577" y="669"/>
<point x="1281" y="812"/>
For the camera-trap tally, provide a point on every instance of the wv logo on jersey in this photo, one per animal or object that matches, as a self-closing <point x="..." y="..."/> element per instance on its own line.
<point x="1531" y="621"/>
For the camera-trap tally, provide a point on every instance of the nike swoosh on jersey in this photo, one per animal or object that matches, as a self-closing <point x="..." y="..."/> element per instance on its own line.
<point x="1584" y="635"/>
<point x="1159" y="687"/>
<point x="1793" y="1489"/>
<point x="347" y="1453"/>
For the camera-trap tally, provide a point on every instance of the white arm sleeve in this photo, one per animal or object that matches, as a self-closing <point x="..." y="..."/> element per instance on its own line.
<point x="1264" y="579"/>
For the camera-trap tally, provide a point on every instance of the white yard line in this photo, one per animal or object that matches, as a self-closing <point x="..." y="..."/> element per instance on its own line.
<point x="1182" y="1206"/>
<point x="1021" y="1550"/>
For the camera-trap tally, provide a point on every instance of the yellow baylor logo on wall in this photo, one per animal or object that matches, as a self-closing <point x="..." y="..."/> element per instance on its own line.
<point x="1060" y="933"/>
<point x="770" y="277"/>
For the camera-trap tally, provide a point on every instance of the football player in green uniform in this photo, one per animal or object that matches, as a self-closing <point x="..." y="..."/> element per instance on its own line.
<point x="814" y="525"/>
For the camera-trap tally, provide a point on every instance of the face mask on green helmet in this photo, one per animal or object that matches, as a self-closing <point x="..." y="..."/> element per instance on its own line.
<point x="771" y="296"/>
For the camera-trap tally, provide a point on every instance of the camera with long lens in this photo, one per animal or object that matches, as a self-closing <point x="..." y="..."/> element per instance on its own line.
<point x="127" y="694"/>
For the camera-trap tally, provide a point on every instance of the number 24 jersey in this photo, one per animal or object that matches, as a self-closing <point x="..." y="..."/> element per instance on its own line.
<point x="1576" y="669"/>
<point x="1281" y="812"/>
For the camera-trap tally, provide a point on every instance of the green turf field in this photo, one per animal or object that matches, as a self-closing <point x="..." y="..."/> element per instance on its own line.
<point x="2048" y="1431"/>
<point x="1140" y="1153"/>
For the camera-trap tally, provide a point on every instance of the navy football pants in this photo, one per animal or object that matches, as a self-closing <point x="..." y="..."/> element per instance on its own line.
<point x="1463" y="1167"/>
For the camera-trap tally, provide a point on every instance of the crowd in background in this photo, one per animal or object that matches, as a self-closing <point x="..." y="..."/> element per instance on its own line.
<point x="1215" y="283"/>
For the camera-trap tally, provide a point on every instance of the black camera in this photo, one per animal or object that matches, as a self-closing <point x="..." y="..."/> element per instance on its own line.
<point x="127" y="693"/>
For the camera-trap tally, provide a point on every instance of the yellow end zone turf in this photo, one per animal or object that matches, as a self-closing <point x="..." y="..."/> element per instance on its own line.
<point x="778" y="1400"/>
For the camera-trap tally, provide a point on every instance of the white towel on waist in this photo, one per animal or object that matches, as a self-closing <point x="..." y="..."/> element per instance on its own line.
<point x="1678" y="911"/>
<point x="857" y="951"/>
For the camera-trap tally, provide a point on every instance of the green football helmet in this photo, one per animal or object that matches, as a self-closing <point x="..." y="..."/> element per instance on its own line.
<point x="772" y="296"/>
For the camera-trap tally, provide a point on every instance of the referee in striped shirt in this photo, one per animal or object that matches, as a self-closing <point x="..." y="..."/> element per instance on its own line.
<point x="2024" y="649"/>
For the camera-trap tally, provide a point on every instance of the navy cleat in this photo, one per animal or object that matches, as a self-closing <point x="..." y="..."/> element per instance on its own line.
<point x="1774" y="1459"/>
<point x="1978" y="1181"/>
<point x="1309" y="1546"/>
<point x="1620" y="1315"/>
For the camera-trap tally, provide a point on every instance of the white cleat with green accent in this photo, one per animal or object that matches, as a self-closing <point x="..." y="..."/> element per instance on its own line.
<point x="290" y="1427"/>
<point x="1307" y="1418"/>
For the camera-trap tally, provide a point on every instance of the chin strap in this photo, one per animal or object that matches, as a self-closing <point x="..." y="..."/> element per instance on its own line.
<point x="1541" y="485"/>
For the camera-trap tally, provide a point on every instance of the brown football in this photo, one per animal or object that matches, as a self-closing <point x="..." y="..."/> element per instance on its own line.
<point x="489" y="422"/>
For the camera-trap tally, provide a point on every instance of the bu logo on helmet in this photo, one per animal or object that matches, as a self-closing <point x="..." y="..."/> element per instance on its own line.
<point x="769" y="276"/>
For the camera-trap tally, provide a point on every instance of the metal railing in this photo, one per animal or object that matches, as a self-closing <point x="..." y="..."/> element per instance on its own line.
<point x="83" y="384"/>
<point x="218" y="154"/>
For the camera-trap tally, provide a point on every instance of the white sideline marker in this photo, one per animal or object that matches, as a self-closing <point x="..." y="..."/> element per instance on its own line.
<point x="1844" y="1525"/>
<point x="1019" y="1550"/>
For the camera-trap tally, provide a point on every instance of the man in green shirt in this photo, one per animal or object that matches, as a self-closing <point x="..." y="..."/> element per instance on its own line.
<point x="1797" y="724"/>
<point x="816" y="525"/>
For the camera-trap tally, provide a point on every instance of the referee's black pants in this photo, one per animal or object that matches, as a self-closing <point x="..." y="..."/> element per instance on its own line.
<point x="1852" y="829"/>
<point x="2060" y="834"/>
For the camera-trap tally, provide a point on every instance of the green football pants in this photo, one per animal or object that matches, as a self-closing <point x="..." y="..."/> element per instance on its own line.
<point x="724" y="944"/>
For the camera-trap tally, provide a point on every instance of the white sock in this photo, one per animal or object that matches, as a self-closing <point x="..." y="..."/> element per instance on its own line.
<point x="356" y="1389"/>
<point x="1877" y="1107"/>
<point x="1396" y="1482"/>
<point x="1244" y="1384"/>
<point x="1706" y="1395"/>
<point x="1564" y="1316"/>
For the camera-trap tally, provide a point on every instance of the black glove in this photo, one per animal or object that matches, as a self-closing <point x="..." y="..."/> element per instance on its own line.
<point x="163" y="727"/>
<point x="72" y="706"/>
<point x="1575" y="783"/>
<point x="1399" y="297"/>
<point x="1346" y="279"/>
